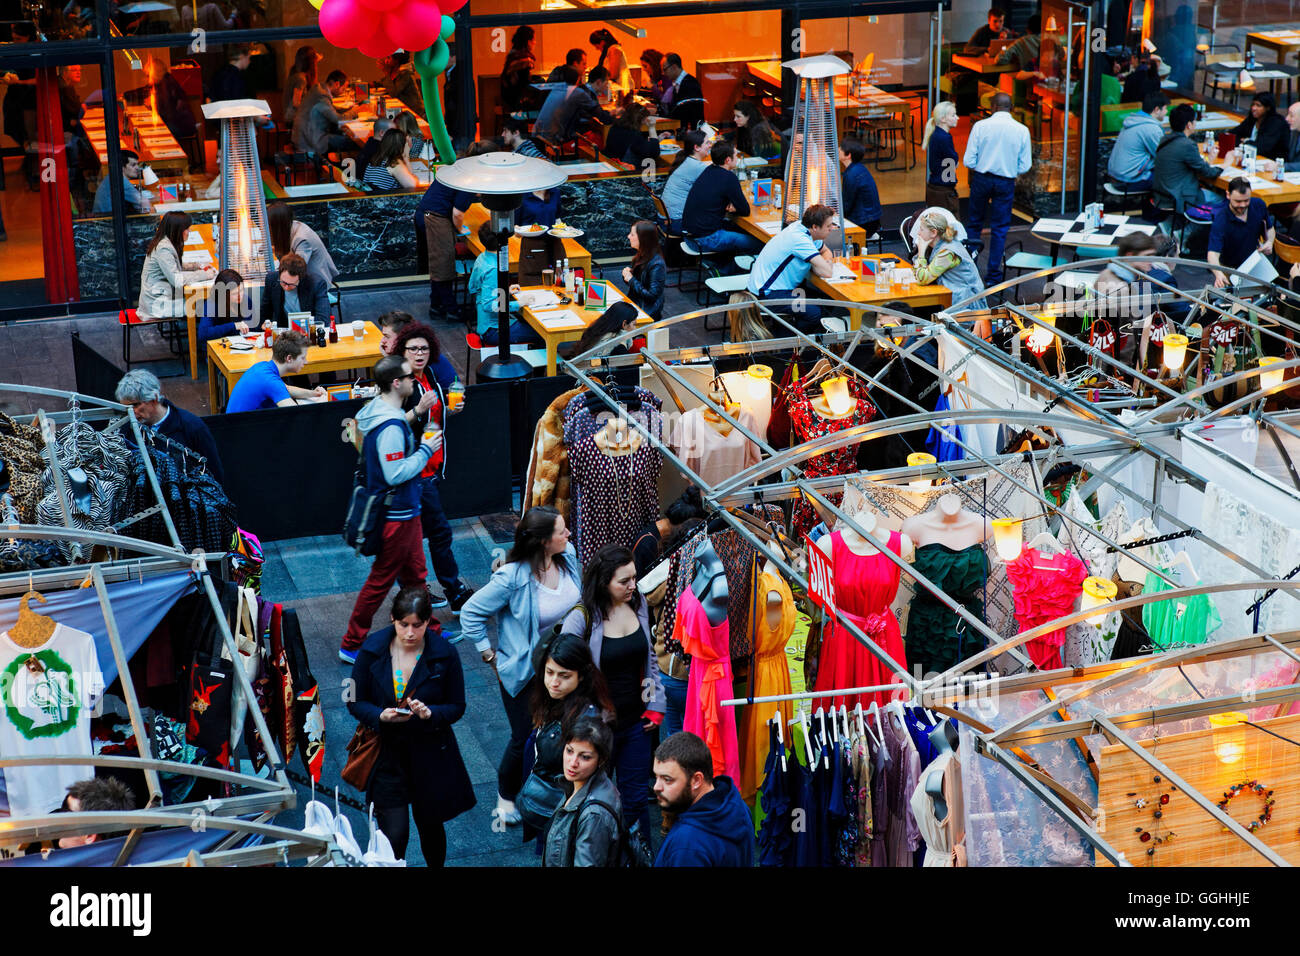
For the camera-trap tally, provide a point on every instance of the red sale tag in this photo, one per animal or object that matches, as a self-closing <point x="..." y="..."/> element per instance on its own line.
<point x="821" y="579"/>
<point x="394" y="456"/>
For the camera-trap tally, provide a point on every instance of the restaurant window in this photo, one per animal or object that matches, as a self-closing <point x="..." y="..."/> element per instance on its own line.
<point x="46" y="22"/>
<point x="151" y="18"/>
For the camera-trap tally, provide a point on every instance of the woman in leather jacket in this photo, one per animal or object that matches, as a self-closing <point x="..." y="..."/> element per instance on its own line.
<point x="585" y="828"/>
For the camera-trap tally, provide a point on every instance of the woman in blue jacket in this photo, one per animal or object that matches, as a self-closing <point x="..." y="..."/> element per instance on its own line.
<point x="225" y="310"/>
<point x="530" y="593"/>
<point x="861" y="200"/>
<point x="409" y="686"/>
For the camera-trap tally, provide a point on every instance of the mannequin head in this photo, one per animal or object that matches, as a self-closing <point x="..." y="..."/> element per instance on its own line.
<point x="949" y="506"/>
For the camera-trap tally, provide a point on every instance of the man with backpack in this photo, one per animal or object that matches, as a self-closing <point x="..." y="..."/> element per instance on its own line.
<point x="391" y="461"/>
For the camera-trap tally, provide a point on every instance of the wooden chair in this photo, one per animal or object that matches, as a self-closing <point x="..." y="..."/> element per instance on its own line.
<point x="1286" y="251"/>
<point x="1212" y="81"/>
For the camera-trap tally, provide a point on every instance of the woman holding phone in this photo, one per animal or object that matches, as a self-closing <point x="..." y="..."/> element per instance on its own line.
<point x="409" y="686"/>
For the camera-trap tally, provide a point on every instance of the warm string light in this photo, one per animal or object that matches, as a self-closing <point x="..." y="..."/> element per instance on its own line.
<point x="759" y="379"/>
<point x="1229" y="736"/>
<point x="1270" y="377"/>
<point x="1175" y="346"/>
<point x="919" y="459"/>
<point x="836" y="392"/>
<point x="1096" y="592"/>
<point x="1007" y="537"/>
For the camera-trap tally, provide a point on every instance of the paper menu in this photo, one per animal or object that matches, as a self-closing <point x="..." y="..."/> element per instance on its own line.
<point x="193" y="239"/>
<point x="1132" y="227"/>
<point x="537" y="299"/>
<point x="772" y="227"/>
<point x="196" y="257"/>
<point x="1053" y="225"/>
<point x="560" y="320"/>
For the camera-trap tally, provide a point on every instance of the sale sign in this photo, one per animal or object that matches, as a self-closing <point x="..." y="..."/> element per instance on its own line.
<point x="821" y="578"/>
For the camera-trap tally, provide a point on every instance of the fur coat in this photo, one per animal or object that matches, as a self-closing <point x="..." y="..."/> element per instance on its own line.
<point x="547" y="481"/>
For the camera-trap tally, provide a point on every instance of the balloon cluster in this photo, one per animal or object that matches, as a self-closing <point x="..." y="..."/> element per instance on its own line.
<point x="379" y="27"/>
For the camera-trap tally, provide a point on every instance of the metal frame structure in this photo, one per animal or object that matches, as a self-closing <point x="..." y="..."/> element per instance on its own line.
<point x="778" y="477"/>
<point x="262" y="798"/>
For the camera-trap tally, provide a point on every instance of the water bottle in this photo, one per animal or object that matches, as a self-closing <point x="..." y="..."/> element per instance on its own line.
<point x="1279" y="166"/>
<point x="882" y="278"/>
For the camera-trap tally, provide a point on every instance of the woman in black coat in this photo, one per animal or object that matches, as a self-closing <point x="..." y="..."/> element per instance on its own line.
<point x="1264" y="127"/>
<point x="409" y="686"/>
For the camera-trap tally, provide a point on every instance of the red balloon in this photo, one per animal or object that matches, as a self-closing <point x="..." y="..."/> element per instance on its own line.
<point x="381" y="5"/>
<point x="377" y="49"/>
<point x="415" y="25"/>
<point x="451" y="6"/>
<point x="338" y="20"/>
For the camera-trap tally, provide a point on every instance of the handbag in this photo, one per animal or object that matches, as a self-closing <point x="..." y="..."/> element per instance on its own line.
<point x="538" y="801"/>
<point x="363" y="754"/>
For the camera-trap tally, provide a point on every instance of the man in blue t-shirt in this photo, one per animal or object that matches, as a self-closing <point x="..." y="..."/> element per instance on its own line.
<point x="789" y="256"/>
<point x="1239" y="228"/>
<point x="262" y="386"/>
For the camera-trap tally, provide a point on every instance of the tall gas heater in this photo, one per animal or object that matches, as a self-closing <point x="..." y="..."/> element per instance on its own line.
<point x="812" y="168"/>
<point x="243" y="238"/>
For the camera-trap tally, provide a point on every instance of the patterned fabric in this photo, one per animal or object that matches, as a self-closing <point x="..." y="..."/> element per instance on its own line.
<point x="613" y="496"/>
<point x="808" y="425"/>
<point x="681" y="570"/>
<point x="105" y="458"/>
<point x="547" y="478"/>
<point x="20" y="447"/>
<point x="740" y="560"/>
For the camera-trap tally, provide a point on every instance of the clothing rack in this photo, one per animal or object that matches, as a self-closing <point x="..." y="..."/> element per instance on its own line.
<point x="1255" y="608"/>
<point x="1158" y="539"/>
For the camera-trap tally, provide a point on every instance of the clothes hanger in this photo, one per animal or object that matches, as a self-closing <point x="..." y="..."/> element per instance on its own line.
<point x="32" y="629"/>
<point x="807" y="736"/>
<point x="835" y="727"/>
<point x="857" y="712"/>
<point x="1182" y="558"/>
<point x="780" y="736"/>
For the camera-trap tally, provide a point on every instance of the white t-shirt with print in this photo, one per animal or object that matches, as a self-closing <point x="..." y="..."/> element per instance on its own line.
<point x="45" y="710"/>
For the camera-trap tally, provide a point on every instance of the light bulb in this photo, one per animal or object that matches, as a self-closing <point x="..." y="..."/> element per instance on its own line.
<point x="1268" y="376"/>
<point x="1175" y="351"/>
<point x="1229" y="736"/>
<point x="918" y="459"/>
<point x="759" y="378"/>
<point x="1007" y="539"/>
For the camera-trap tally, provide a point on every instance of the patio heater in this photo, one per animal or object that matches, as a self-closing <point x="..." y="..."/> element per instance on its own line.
<point x="812" y="169"/>
<point x="242" y="235"/>
<point x="501" y="179"/>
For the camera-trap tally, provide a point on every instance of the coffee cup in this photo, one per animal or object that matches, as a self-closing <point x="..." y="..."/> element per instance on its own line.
<point x="358" y="330"/>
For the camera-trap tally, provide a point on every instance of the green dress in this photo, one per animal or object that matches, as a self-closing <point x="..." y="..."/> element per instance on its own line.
<point x="936" y="638"/>
<point x="1167" y="627"/>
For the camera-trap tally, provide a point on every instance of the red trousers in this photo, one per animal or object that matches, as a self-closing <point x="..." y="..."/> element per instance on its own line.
<point x="400" y="554"/>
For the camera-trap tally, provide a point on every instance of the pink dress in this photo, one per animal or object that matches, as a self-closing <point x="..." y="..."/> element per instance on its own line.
<point x="709" y="684"/>
<point x="1045" y="589"/>
<point x="864" y="588"/>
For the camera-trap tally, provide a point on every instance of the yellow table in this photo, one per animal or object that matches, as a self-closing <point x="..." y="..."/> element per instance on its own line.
<point x="983" y="63"/>
<point x="1273" y="193"/>
<point x="229" y="366"/>
<point x="477" y="214"/>
<point x="158" y="147"/>
<point x="1281" y="42"/>
<point x="554" y="337"/>
<point x="195" y="293"/>
<point x="753" y="223"/>
<point x="863" y="291"/>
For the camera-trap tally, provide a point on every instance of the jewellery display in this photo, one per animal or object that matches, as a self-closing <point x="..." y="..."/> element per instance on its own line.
<point x="1261" y="791"/>
<point x="1156" y="804"/>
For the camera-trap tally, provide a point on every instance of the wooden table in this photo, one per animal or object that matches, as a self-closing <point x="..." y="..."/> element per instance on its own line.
<point x="228" y="366"/>
<point x="196" y="292"/>
<point x="983" y="63"/>
<point x="1281" y="42"/>
<point x="873" y="100"/>
<point x="862" y="291"/>
<point x="158" y="147"/>
<point x="757" y="218"/>
<point x="361" y="129"/>
<point x="477" y="214"/>
<point x="1273" y="193"/>
<point x="554" y="337"/>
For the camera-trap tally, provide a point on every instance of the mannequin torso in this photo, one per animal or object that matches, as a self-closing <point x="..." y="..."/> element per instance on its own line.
<point x="948" y="524"/>
<point x="710" y="584"/>
<point x="616" y="439"/>
<point x="861" y="546"/>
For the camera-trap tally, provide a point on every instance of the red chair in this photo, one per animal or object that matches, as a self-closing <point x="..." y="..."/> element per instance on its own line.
<point x="472" y="344"/>
<point x="129" y="319"/>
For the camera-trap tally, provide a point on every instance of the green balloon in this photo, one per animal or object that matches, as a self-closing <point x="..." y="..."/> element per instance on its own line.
<point x="430" y="64"/>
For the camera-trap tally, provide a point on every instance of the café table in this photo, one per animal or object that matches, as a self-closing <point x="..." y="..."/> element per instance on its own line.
<point x="226" y="366"/>
<point x="555" y="327"/>
<point x="200" y="250"/>
<point x="981" y="63"/>
<point x="1282" y="42"/>
<point x="1273" y="193"/>
<point x="862" y="290"/>
<point x="477" y="214"/>
<point x="764" y="223"/>
<point x="1228" y="72"/>
<point x="1074" y="232"/>
<point x="158" y="147"/>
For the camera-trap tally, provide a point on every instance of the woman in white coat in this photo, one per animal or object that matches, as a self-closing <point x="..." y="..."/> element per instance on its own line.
<point x="163" y="280"/>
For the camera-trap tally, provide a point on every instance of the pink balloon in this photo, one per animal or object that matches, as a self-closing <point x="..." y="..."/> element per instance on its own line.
<point x="381" y="5"/>
<point x="337" y="18"/>
<point x="377" y="49"/>
<point x="451" y="6"/>
<point x="415" y="25"/>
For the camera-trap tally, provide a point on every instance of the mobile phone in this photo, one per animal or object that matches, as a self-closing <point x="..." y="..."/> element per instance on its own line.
<point x="404" y="711"/>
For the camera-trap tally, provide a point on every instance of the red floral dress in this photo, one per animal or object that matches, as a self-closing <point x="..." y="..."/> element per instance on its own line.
<point x="807" y="425"/>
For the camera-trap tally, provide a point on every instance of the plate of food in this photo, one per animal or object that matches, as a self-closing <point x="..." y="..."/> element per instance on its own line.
<point x="669" y="148"/>
<point x="562" y="230"/>
<point x="533" y="230"/>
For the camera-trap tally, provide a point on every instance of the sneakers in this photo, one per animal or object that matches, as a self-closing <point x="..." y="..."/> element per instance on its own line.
<point x="437" y="600"/>
<point x="348" y="656"/>
<point x="506" y="811"/>
<point x="457" y="600"/>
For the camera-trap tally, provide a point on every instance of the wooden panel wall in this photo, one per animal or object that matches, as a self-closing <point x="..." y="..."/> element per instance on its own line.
<point x="1200" y="840"/>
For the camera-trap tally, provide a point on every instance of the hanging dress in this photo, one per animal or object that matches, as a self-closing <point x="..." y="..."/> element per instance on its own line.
<point x="807" y="425"/>
<point x="782" y="786"/>
<point x="771" y="677"/>
<point x="709" y="684"/>
<point x="1045" y="588"/>
<point x="864" y="588"/>
<point x="1187" y="620"/>
<point x="936" y="637"/>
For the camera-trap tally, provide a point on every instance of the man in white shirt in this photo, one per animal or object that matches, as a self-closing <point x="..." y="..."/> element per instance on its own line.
<point x="789" y="256"/>
<point x="997" y="152"/>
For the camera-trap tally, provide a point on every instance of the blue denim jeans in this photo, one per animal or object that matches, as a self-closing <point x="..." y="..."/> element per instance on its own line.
<point x="992" y="196"/>
<point x="729" y="241"/>
<point x="675" y="716"/>
<point x="632" y="762"/>
<point x="437" y="532"/>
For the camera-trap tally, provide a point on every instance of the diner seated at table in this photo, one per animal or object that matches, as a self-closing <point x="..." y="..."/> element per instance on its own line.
<point x="1134" y="152"/>
<point x="647" y="276"/>
<point x="409" y="124"/>
<point x="691" y="161"/>
<point x="575" y="58"/>
<point x="294" y="235"/>
<point x="652" y="74"/>
<point x="399" y="80"/>
<point x="754" y="136"/>
<point x="1264" y="128"/>
<point x="1290" y="152"/>
<point x="683" y="97"/>
<point x="315" y="127"/>
<point x="135" y="202"/>
<point x="994" y="29"/>
<point x="226" y="309"/>
<point x="784" y="263"/>
<point x="1025" y="54"/>
<point x="581" y="108"/>
<point x="514" y="136"/>
<point x="484" y="287"/>
<point x="1143" y="79"/>
<point x="382" y="125"/>
<point x="562" y="87"/>
<point x="942" y="258"/>
<point x="616" y="320"/>
<point x="541" y="208"/>
<point x="390" y="170"/>
<point x="290" y="287"/>
<point x="861" y="198"/>
<point x="627" y="142"/>
<point x="302" y="77"/>
<point x="264" y="386"/>
<point x="1178" y="168"/>
<point x="716" y="193"/>
<point x="1240" y="227"/>
<point x="163" y="278"/>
